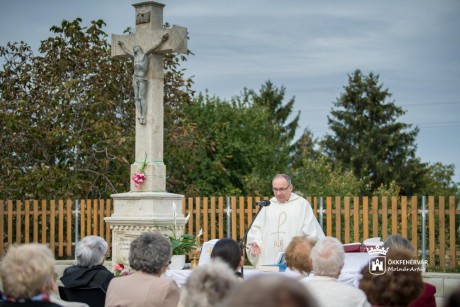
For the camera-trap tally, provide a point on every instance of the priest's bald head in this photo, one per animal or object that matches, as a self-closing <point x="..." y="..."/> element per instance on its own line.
<point x="282" y="187"/>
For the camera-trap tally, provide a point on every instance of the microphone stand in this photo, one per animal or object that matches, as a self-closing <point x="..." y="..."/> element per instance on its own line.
<point x="243" y="240"/>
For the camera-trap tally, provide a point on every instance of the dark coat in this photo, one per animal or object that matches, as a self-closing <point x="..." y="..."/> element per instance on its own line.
<point x="427" y="298"/>
<point x="87" y="277"/>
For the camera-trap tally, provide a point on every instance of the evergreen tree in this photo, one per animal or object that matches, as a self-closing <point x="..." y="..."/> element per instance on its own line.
<point x="304" y="148"/>
<point x="272" y="98"/>
<point x="368" y="138"/>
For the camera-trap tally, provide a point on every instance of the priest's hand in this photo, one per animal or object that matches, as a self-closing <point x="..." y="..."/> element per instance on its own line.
<point x="254" y="249"/>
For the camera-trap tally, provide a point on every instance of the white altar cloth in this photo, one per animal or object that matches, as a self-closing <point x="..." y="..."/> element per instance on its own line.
<point x="354" y="262"/>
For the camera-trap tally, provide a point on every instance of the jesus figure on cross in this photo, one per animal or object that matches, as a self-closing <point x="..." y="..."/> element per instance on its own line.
<point x="141" y="65"/>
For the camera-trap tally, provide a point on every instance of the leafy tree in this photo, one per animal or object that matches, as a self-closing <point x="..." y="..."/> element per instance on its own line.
<point x="67" y="116"/>
<point x="391" y="189"/>
<point x="318" y="176"/>
<point x="368" y="138"/>
<point x="237" y="150"/>
<point x="439" y="180"/>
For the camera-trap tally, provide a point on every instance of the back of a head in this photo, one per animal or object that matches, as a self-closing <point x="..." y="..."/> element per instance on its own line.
<point x="400" y="284"/>
<point x="453" y="299"/>
<point x="298" y="252"/>
<point x="270" y="290"/>
<point x="91" y="251"/>
<point x="26" y="270"/>
<point x="208" y="285"/>
<point x="149" y="252"/>
<point x="228" y="251"/>
<point x="328" y="257"/>
<point x="397" y="241"/>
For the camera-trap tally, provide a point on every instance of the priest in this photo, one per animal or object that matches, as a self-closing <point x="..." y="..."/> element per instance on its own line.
<point x="288" y="215"/>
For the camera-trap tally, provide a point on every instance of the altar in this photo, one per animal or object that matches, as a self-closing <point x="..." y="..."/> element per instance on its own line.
<point x="350" y="274"/>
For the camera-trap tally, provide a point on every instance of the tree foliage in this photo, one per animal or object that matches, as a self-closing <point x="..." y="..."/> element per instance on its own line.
<point x="438" y="180"/>
<point x="67" y="120"/>
<point x="319" y="176"/>
<point x="67" y="115"/>
<point x="303" y="148"/>
<point x="272" y="98"/>
<point x="368" y="138"/>
<point x="238" y="149"/>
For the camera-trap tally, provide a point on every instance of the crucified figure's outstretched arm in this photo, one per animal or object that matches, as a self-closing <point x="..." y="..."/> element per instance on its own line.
<point x="164" y="38"/>
<point x="126" y="50"/>
<point x="137" y="50"/>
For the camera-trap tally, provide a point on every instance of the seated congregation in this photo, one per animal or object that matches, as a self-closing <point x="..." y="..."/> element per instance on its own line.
<point x="313" y="266"/>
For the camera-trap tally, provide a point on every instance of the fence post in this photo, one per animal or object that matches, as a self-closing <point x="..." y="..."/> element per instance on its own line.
<point x="228" y="210"/>
<point x="321" y="212"/>
<point x="423" y="212"/>
<point x="77" y="210"/>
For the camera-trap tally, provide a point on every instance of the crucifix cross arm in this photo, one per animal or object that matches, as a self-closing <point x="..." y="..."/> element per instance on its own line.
<point x="151" y="41"/>
<point x="136" y="49"/>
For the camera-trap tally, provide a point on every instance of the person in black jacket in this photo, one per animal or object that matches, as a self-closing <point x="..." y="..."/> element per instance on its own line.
<point x="89" y="271"/>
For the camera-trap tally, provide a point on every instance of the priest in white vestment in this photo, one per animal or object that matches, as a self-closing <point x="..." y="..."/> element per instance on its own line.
<point x="288" y="215"/>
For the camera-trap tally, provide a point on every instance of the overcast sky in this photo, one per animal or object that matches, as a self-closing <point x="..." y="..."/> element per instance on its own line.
<point x="307" y="46"/>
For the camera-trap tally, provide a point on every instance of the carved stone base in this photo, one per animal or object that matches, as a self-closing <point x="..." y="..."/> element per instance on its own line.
<point x="138" y="212"/>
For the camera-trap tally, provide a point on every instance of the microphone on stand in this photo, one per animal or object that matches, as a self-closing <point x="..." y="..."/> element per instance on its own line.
<point x="263" y="203"/>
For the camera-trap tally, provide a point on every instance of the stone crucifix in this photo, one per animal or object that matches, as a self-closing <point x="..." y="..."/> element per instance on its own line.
<point x="146" y="48"/>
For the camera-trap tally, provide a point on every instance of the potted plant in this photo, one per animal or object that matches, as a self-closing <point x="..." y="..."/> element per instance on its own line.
<point x="181" y="246"/>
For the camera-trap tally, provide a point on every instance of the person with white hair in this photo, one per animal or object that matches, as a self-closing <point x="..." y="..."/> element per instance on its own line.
<point x="328" y="258"/>
<point x="209" y="285"/>
<point x="89" y="272"/>
<point x="28" y="274"/>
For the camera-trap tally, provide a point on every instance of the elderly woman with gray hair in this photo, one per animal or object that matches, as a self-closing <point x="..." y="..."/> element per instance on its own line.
<point x="328" y="258"/>
<point x="28" y="276"/>
<point x="89" y="272"/>
<point x="149" y="257"/>
<point x="209" y="285"/>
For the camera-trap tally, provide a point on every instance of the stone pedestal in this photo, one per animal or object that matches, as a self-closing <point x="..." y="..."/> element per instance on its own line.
<point x="138" y="212"/>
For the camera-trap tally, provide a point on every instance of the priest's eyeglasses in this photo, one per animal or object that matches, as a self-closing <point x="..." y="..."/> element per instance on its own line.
<point x="281" y="189"/>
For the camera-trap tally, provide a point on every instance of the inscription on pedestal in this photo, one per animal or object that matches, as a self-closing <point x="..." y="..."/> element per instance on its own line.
<point x="123" y="242"/>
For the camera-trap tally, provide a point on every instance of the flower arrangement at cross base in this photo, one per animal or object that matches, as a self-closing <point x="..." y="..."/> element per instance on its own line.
<point x="120" y="269"/>
<point x="139" y="176"/>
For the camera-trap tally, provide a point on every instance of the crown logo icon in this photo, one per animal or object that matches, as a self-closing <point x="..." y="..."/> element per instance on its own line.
<point x="377" y="250"/>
